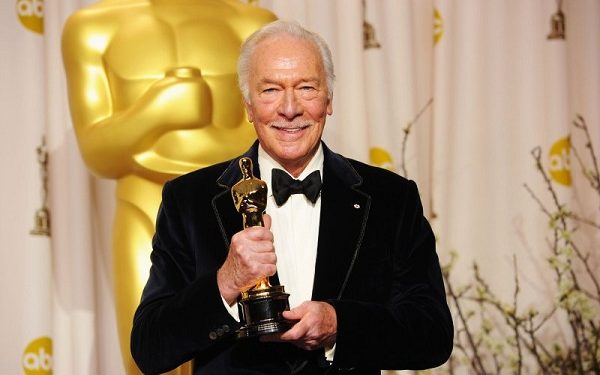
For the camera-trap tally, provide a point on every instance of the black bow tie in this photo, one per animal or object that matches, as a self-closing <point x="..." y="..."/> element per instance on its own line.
<point x="284" y="185"/>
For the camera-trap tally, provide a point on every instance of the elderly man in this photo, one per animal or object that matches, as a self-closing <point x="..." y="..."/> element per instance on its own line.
<point x="358" y="258"/>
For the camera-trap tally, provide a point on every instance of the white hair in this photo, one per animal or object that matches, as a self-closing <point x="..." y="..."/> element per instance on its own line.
<point x="274" y="29"/>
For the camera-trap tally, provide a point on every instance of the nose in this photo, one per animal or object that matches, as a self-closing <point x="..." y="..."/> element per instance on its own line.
<point x="290" y="106"/>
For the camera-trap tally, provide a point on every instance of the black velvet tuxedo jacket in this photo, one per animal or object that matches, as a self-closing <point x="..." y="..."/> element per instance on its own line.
<point x="376" y="264"/>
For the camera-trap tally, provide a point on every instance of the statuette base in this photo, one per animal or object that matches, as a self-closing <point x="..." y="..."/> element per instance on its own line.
<point x="262" y="311"/>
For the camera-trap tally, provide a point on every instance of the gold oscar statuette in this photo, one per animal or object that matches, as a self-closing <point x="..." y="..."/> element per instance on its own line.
<point x="262" y="306"/>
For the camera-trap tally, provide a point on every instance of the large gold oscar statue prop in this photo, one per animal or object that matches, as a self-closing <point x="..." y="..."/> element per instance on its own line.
<point x="153" y="94"/>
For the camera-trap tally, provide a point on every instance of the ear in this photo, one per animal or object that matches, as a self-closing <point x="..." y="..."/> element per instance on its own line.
<point x="330" y="105"/>
<point x="249" y="111"/>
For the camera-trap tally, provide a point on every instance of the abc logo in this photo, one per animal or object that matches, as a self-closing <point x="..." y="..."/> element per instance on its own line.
<point x="560" y="161"/>
<point x="31" y="14"/>
<point x="37" y="358"/>
<point x="438" y="26"/>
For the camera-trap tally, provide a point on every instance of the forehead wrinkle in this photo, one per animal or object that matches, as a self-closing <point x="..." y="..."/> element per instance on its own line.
<point x="286" y="62"/>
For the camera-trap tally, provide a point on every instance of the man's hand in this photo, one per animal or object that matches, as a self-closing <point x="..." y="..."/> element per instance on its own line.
<point x="316" y="326"/>
<point x="251" y="256"/>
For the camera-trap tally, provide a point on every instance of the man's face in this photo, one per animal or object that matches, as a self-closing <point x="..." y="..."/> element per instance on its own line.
<point x="288" y="100"/>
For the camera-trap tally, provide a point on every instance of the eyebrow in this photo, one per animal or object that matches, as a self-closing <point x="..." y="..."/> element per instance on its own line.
<point x="276" y="82"/>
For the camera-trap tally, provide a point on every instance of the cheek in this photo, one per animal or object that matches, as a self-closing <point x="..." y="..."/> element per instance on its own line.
<point x="265" y="113"/>
<point x="260" y="129"/>
<point x="318" y="111"/>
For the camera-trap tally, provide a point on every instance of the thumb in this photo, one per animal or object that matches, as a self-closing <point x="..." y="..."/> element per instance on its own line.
<point x="267" y="221"/>
<point x="296" y="313"/>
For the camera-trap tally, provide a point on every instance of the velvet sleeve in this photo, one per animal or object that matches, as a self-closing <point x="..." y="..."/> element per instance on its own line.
<point x="181" y="314"/>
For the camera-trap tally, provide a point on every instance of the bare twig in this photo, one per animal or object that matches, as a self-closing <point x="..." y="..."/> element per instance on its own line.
<point x="407" y="130"/>
<point x="583" y="220"/>
<point x="476" y="359"/>
<point x="581" y="124"/>
<point x="516" y="325"/>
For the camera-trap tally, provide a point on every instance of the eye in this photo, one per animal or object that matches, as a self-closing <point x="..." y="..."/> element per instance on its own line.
<point x="269" y="90"/>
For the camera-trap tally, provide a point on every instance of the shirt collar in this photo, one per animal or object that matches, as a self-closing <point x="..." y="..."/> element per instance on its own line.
<point x="266" y="163"/>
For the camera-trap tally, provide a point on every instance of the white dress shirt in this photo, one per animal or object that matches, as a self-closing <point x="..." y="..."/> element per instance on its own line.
<point x="295" y="227"/>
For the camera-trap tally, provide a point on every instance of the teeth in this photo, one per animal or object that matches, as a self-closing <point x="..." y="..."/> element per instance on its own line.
<point x="286" y="128"/>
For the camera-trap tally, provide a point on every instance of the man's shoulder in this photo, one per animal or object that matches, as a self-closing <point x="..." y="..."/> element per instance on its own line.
<point x="360" y="171"/>
<point x="383" y="184"/>
<point x="376" y="175"/>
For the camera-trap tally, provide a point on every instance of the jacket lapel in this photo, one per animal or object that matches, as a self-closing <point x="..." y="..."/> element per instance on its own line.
<point x="344" y="213"/>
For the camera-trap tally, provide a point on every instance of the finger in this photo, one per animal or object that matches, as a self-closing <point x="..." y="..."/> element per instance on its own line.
<point x="264" y="255"/>
<point x="294" y="334"/>
<point x="247" y="247"/>
<point x="293" y="314"/>
<point x="264" y="269"/>
<point x="259" y="264"/>
<point x="257" y="234"/>
<point x="300" y="328"/>
<point x="270" y="270"/>
<point x="299" y="311"/>
<point x="247" y="266"/>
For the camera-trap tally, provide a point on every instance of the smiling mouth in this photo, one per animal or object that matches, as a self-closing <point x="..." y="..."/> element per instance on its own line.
<point x="290" y="129"/>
